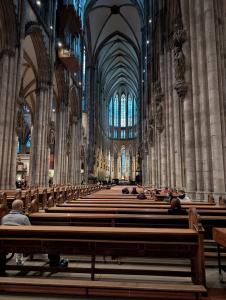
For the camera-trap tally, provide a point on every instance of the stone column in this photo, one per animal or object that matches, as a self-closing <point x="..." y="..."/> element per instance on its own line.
<point x="167" y="91"/>
<point x="171" y="120"/>
<point x="40" y="131"/>
<point x="163" y="132"/>
<point x="8" y="82"/>
<point x="203" y="99"/>
<point x="183" y="86"/>
<point x="214" y="101"/>
<point x="194" y="33"/>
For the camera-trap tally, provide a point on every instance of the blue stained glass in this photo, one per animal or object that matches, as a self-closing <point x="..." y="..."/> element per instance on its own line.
<point x="130" y="111"/>
<point x="110" y="112"/>
<point x="123" y="110"/>
<point x="115" y="134"/>
<point x="123" y="134"/>
<point x="135" y="112"/>
<point x="116" y="111"/>
<point x="18" y="146"/>
<point x="123" y="162"/>
<point x="83" y="103"/>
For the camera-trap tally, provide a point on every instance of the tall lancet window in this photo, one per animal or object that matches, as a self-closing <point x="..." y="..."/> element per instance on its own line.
<point x="135" y="112"/>
<point x="130" y="111"/>
<point x="110" y="112"/>
<point x="123" y="110"/>
<point x="116" y="111"/>
<point x="122" y="115"/>
<point x="123" y="162"/>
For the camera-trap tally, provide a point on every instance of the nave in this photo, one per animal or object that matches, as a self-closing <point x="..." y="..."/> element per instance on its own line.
<point x="156" y="269"/>
<point x="98" y="97"/>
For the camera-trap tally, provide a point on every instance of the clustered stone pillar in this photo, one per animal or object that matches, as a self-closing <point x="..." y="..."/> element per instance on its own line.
<point x="40" y="150"/>
<point x="192" y="145"/>
<point x="61" y="147"/>
<point x="8" y="138"/>
<point x="67" y="150"/>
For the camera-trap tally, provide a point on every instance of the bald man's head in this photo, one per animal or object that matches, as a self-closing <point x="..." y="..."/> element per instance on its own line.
<point x="18" y="205"/>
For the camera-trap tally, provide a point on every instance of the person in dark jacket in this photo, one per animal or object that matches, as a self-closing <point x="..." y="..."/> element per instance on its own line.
<point x="176" y="208"/>
<point x="141" y="196"/>
<point x="134" y="191"/>
<point x="125" y="190"/>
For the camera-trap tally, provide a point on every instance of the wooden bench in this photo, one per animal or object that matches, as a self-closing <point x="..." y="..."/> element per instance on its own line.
<point x="131" y="205"/>
<point x="219" y="236"/>
<point x="104" y="241"/>
<point x="128" y="210"/>
<point x="136" y="201"/>
<point x="126" y="220"/>
<point x="99" y="288"/>
<point x="115" y="220"/>
<point x="11" y="195"/>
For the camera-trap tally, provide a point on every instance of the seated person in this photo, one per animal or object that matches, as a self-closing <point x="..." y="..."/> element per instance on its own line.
<point x="16" y="217"/>
<point x="166" y="190"/>
<point x="125" y="190"/>
<point x="134" y="191"/>
<point x="141" y="196"/>
<point x="170" y="197"/>
<point x="176" y="208"/>
<point x="139" y="189"/>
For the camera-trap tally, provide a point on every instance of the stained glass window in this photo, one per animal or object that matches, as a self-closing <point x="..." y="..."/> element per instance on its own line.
<point x="123" y="162"/>
<point x="130" y="111"/>
<point x="123" y="134"/>
<point x="116" y="111"/>
<point x="123" y="110"/>
<point x="122" y="113"/>
<point x="135" y="112"/>
<point x="110" y="112"/>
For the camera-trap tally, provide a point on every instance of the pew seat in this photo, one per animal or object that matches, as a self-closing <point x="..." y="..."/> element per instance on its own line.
<point x="110" y="241"/>
<point x="100" y="288"/>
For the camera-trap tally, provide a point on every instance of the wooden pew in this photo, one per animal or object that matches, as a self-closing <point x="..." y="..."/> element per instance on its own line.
<point x="3" y="205"/>
<point x="114" y="220"/>
<point x="11" y="195"/>
<point x="86" y="288"/>
<point x="132" y="205"/>
<point x="126" y="220"/>
<point x="133" y="242"/>
<point x="135" y="201"/>
<point x="130" y="210"/>
<point x="219" y="236"/>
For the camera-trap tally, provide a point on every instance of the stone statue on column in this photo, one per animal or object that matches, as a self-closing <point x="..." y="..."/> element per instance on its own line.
<point x="51" y="136"/>
<point x="179" y="37"/>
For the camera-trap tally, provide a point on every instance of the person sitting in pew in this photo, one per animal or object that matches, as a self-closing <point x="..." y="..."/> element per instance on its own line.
<point x="16" y="217"/>
<point x="166" y="190"/>
<point x="125" y="190"/>
<point x="141" y="196"/>
<point x="176" y="208"/>
<point x="134" y="191"/>
<point x="182" y="196"/>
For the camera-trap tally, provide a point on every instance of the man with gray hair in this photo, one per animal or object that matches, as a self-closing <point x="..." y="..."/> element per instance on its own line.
<point x="16" y="216"/>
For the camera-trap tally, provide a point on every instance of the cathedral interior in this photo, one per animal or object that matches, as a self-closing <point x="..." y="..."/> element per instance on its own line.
<point x="125" y="92"/>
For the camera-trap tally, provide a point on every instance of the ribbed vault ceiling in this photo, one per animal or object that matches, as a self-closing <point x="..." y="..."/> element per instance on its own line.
<point x="113" y="36"/>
